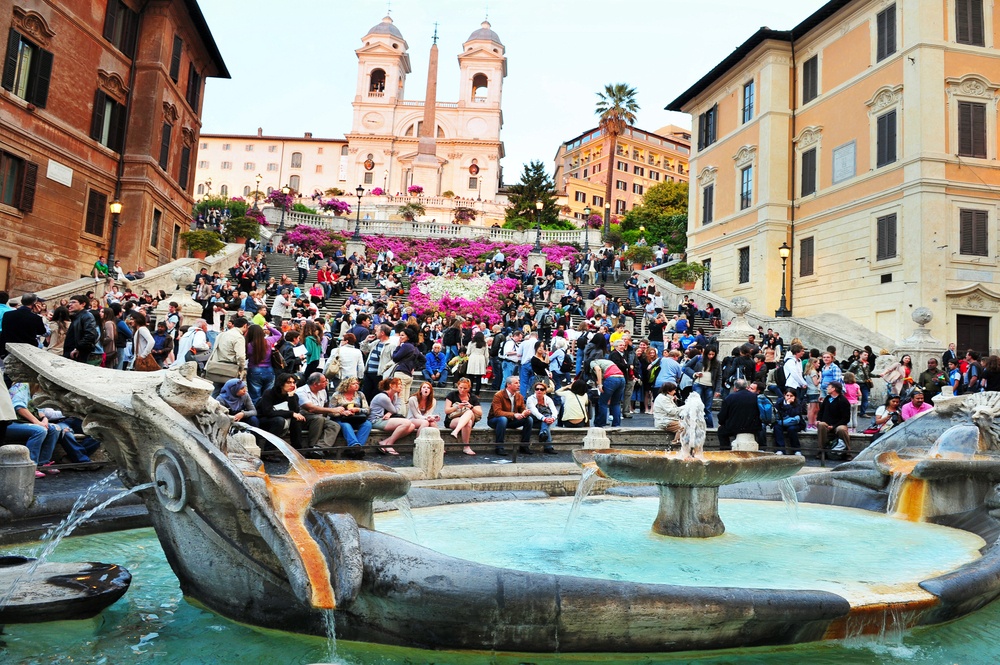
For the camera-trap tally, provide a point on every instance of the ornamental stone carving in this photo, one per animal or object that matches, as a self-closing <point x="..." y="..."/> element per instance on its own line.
<point x="707" y="175"/>
<point x="187" y="136"/>
<point x="972" y="85"/>
<point x="808" y="137"/>
<point x="169" y="112"/>
<point x="885" y="97"/>
<point x="113" y="84"/>
<point x="33" y="25"/>
<point x="922" y="316"/>
<point x="976" y="301"/>
<point x="745" y="155"/>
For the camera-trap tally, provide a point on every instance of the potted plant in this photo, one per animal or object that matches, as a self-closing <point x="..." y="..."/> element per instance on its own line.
<point x="415" y="190"/>
<point x="448" y="194"/>
<point x="378" y="191"/>
<point x="238" y="229"/>
<point x="639" y="255"/>
<point x="412" y="210"/>
<point x="685" y="274"/>
<point x="202" y="243"/>
<point x="336" y="206"/>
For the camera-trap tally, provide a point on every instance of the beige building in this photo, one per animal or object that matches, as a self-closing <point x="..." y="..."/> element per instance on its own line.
<point x="642" y="159"/>
<point x="229" y="164"/>
<point x="866" y="139"/>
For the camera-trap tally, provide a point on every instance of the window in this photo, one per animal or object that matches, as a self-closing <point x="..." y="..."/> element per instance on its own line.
<point x="810" y="79"/>
<point x="107" y="126"/>
<point x="598" y="202"/>
<point x="293" y="183"/>
<point x="369" y="178"/>
<point x="885" y="237"/>
<point x="969" y="22"/>
<point x="272" y="167"/>
<point x="707" y="122"/>
<point x="165" y="146"/>
<point x="27" y="70"/>
<point x="622" y="166"/>
<point x="748" y="101"/>
<point x="886" y="28"/>
<point x="580" y="197"/>
<point x="203" y="146"/>
<point x="226" y="166"/>
<point x="619" y="207"/>
<point x="639" y="171"/>
<point x="296" y="160"/>
<point x="226" y="146"/>
<point x="655" y="175"/>
<point x="707" y="204"/>
<point x="272" y="148"/>
<point x="248" y="147"/>
<point x="194" y="87"/>
<point x="585" y="173"/>
<point x="203" y="164"/>
<point x="806" y="257"/>
<point x="474" y="184"/>
<point x="17" y="182"/>
<point x="249" y="166"/>
<point x="972" y="129"/>
<point x="319" y="168"/>
<point x="224" y="190"/>
<point x="154" y="229"/>
<point x="343" y="150"/>
<point x="809" y="172"/>
<point x="319" y="150"/>
<point x="121" y="25"/>
<point x="182" y="174"/>
<point x="746" y="187"/>
<point x="622" y="185"/>
<point x="972" y="233"/>
<point x="175" y="59"/>
<point x="597" y="168"/>
<point x="885" y="139"/>
<point x="744" y="265"/>
<point x="246" y="191"/>
<point x="201" y="190"/>
<point x="636" y="188"/>
<point x="706" y="277"/>
<point x="97" y="210"/>
<point x="175" y="241"/>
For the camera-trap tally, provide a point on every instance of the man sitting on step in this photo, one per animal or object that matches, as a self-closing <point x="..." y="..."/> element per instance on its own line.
<point x="509" y="411"/>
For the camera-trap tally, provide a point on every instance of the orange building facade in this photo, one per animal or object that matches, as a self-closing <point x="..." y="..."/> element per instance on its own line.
<point x="866" y="139"/>
<point x="99" y="100"/>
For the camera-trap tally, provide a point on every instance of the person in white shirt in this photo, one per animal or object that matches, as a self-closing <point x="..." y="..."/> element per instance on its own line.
<point x="196" y="341"/>
<point x="313" y="402"/>
<point x="543" y="413"/>
<point x="793" y="371"/>
<point x="527" y="353"/>
<point x="279" y="308"/>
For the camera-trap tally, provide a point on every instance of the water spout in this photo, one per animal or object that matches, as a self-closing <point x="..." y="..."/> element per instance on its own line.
<point x="294" y="457"/>
<point x="588" y="479"/>
<point x="693" y="431"/>
<point x="791" y="500"/>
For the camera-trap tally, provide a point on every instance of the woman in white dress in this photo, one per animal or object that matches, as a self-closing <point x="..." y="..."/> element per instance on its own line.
<point x="479" y="360"/>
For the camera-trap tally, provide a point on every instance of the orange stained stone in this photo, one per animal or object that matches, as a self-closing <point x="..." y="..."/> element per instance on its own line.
<point x="291" y="499"/>
<point x="912" y="499"/>
<point x="881" y="618"/>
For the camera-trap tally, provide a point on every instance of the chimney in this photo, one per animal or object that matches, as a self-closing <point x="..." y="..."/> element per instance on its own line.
<point x="309" y="135"/>
<point x="260" y="131"/>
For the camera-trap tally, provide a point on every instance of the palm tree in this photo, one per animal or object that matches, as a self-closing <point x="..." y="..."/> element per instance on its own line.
<point x="616" y="107"/>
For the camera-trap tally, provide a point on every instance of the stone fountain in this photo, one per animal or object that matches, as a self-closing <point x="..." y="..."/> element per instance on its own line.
<point x="289" y="551"/>
<point x="688" y="480"/>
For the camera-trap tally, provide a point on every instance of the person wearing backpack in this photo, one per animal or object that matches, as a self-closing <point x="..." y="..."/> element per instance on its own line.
<point x="766" y="411"/>
<point x="497" y="342"/>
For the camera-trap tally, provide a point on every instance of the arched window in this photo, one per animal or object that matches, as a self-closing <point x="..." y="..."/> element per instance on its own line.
<point x="224" y="190"/>
<point x="343" y="151"/>
<point x="440" y="133"/>
<point x="294" y="182"/>
<point x="296" y="160"/>
<point x="246" y="191"/>
<point x="480" y="87"/>
<point x="201" y="189"/>
<point x="376" y="83"/>
<point x="270" y="189"/>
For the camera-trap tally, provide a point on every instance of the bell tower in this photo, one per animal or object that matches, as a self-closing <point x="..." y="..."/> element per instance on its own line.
<point x="383" y="63"/>
<point x="483" y="67"/>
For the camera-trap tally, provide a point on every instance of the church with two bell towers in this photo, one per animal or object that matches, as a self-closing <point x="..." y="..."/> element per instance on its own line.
<point x="396" y="143"/>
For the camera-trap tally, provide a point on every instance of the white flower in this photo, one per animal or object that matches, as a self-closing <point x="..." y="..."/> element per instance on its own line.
<point x="473" y="289"/>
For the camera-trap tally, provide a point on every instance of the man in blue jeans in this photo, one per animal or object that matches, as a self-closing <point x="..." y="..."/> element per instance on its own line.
<point x="611" y="389"/>
<point x="509" y="411"/>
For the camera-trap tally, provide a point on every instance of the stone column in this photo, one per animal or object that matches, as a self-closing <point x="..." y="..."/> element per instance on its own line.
<point x="17" y="479"/>
<point x="352" y="246"/>
<point x="921" y="346"/>
<point x="535" y="259"/>
<point x="428" y="452"/>
<point x="736" y="334"/>
<point x="189" y="309"/>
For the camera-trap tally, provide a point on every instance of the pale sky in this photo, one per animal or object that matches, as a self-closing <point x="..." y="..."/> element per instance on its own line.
<point x="294" y="69"/>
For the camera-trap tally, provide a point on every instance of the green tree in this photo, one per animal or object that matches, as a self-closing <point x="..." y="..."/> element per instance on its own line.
<point x="616" y="109"/>
<point x="535" y="185"/>
<point x="412" y="210"/>
<point x="663" y="213"/>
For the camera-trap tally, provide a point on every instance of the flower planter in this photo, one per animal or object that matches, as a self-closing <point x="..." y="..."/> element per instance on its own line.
<point x="240" y="239"/>
<point x="638" y="265"/>
<point x="688" y="286"/>
<point x="199" y="253"/>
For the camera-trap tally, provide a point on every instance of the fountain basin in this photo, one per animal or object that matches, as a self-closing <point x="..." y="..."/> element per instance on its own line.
<point x="58" y="591"/>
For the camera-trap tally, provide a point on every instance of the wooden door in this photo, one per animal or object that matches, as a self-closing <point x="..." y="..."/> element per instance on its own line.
<point x="973" y="333"/>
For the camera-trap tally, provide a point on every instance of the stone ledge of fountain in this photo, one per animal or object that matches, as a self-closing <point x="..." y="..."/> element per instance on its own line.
<point x="713" y="469"/>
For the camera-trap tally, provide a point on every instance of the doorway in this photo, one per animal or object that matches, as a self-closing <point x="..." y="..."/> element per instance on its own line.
<point x="973" y="332"/>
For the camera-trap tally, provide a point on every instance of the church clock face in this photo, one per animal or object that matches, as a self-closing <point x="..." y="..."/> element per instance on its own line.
<point x="373" y="120"/>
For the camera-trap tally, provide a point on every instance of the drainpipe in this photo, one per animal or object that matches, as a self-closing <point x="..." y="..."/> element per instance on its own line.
<point x="791" y="225"/>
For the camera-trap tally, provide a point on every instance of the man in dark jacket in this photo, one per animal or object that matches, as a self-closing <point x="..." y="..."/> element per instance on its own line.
<point x="83" y="335"/>
<point x="22" y="325"/>
<point x="739" y="414"/>
<point x="834" y="416"/>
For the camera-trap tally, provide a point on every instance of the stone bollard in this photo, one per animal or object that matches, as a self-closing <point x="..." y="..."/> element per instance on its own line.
<point x="17" y="479"/>
<point x="428" y="452"/>
<point x="746" y="442"/>
<point x="596" y="439"/>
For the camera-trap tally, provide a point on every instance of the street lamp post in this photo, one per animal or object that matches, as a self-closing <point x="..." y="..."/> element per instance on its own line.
<point x="116" y="211"/>
<point x="784" y="252"/>
<point x="284" y="206"/>
<point x="538" y="226"/>
<point x="586" y="229"/>
<point x="360" y="191"/>
<point x="607" y="217"/>
<point x="642" y="232"/>
<point x="256" y="191"/>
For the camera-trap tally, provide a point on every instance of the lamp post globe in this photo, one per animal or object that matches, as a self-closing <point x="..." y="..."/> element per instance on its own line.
<point x="116" y="210"/>
<point x="360" y="191"/>
<point x="784" y="252"/>
<point x="586" y="228"/>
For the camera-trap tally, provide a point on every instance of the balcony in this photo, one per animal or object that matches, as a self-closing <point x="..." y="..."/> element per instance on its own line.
<point x="376" y="93"/>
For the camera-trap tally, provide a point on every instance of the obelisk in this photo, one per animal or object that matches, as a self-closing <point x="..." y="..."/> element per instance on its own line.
<point x="426" y="167"/>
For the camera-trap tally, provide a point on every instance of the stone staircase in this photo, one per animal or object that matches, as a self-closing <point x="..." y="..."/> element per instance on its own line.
<point x="281" y="264"/>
